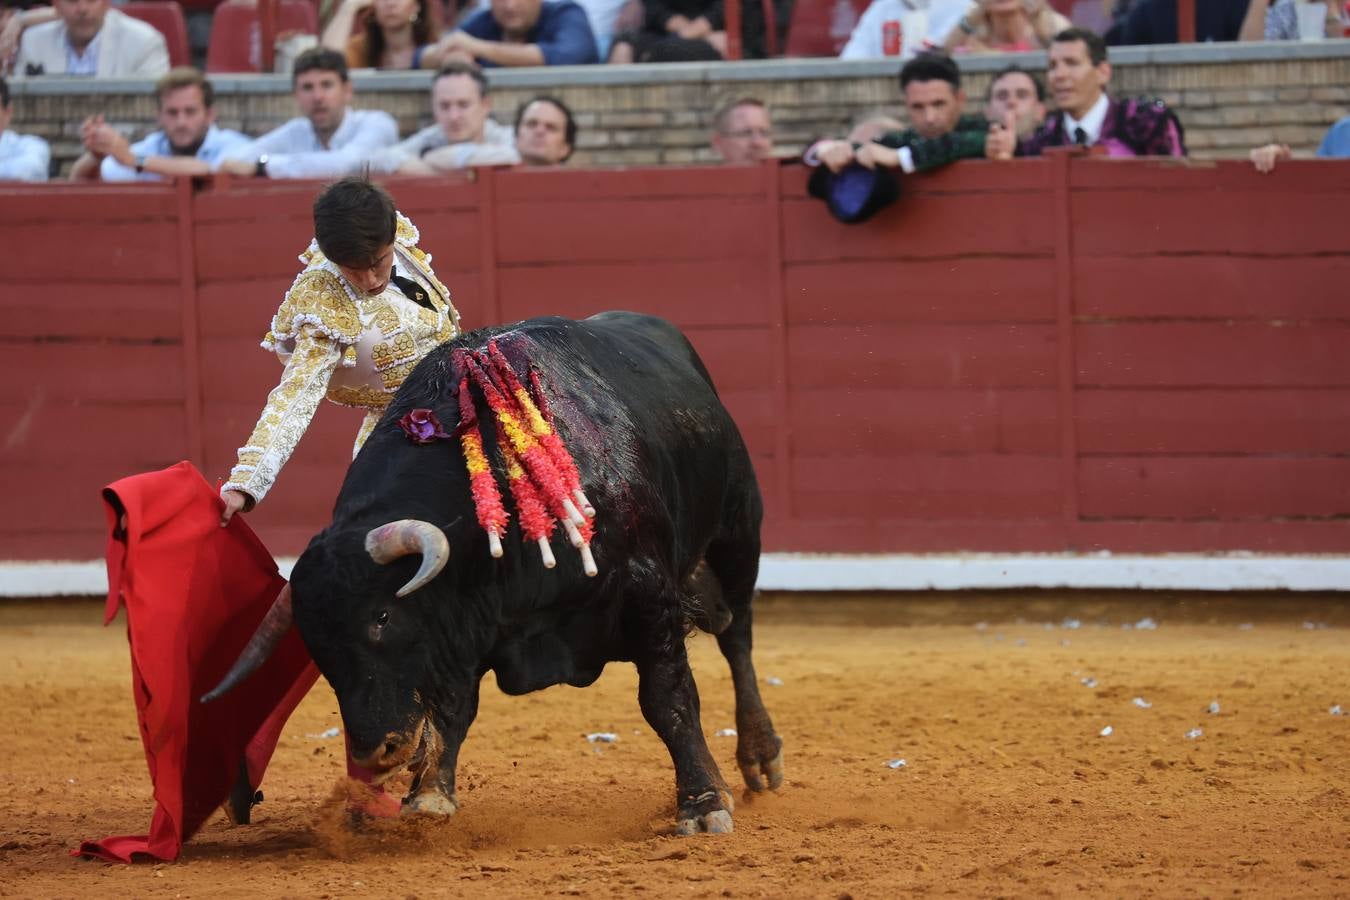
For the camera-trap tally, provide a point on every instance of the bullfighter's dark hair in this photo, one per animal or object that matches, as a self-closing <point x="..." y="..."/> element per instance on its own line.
<point x="1096" y="46"/>
<point x="571" y="127"/>
<point x="931" y="66"/>
<point x="353" y="221"/>
<point x="4" y="93"/>
<point x="321" y="58"/>
<point x="1015" y="69"/>
<point x="463" y="68"/>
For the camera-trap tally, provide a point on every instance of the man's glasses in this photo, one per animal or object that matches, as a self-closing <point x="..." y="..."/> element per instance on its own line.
<point x="745" y="134"/>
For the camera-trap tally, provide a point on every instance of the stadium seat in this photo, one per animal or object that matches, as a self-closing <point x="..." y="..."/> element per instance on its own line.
<point x="810" y="32"/>
<point x="234" y="33"/>
<point x="167" y="17"/>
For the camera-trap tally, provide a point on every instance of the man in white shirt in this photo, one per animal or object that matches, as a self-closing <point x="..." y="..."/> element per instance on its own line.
<point x="329" y="139"/>
<point x="902" y="28"/>
<point x="89" y="38"/>
<point x="22" y="157"/>
<point x="187" y="137"/>
<point x="464" y="134"/>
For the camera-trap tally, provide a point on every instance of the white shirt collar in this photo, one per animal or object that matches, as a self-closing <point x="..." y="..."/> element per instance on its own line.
<point x="1091" y="123"/>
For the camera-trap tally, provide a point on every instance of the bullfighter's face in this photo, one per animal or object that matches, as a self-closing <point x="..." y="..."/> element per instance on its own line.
<point x="370" y="278"/>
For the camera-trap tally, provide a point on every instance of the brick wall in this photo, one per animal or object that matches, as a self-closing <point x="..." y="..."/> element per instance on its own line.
<point x="1230" y="98"/>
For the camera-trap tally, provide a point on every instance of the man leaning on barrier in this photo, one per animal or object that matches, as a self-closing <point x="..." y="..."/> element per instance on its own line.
<point x="23" y="157"/>
<point x="940" y="132"/>
<point x="187" y="139"/>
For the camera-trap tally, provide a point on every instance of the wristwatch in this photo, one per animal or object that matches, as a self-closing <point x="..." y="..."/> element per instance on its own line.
<point x="964" y="24"/>
<point x="140" y="165"/>
<point x="260" y="170"/>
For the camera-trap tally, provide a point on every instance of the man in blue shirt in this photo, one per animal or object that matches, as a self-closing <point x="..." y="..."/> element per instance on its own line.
<point x="188" y="136"/>
<point x="22" y="156"/>
<point x="520" y="33"/>
<point x="1155" y="22"/>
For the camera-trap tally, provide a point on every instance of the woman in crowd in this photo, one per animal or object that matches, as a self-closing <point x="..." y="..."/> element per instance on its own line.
<point x="393" y="36"/>
<point x="997" y="26"/>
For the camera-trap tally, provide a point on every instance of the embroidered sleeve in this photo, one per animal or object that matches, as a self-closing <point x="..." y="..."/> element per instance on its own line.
<point x="317" y="298"/>
<point x="289" y="409"/>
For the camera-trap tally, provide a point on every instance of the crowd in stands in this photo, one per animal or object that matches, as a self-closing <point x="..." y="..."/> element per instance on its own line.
<point x="332" y="136"/>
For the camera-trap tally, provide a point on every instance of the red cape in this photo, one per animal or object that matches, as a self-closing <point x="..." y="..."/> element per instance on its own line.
<point x="194" y="593"/>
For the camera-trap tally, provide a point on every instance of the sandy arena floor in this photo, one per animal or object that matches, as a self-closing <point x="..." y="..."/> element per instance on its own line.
<point x="1008" y="789"/>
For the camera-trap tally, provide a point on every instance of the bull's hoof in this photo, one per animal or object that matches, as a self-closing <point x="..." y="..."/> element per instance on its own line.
<point x="715" y="822"/>
<point x="763" y="771"/>
<point x="433" y="803"/>
<point x="706" y="812"/>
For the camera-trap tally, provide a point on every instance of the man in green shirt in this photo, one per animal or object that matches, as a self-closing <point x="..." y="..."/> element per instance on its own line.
<point x="939" y="134"/>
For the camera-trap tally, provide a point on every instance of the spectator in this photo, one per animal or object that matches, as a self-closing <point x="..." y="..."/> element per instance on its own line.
<point x="1336" y="145"/>
<point x="13" y="21"/>
<point x="519" y="33"/>
<point x="22" y="156"/>
<point x="940" y="133"/>
<point x="1155" y="21"/>
<point x="1079" y="74"/>
<point x="188" y="135"/>
<point x="743" y="131"/>
<point x="1018" y="94"/>
<point x="546" y="132"/>
<point x="1006" y="26"/>
<point x="90" y="38"/>
<point x="394" y="35"/>
<point x="463" y="135"/>
<point x="674" y="31"/>
<point x="902" y="28"/>
<point x="1277" y="20"/>
<point x="328" y="139"/>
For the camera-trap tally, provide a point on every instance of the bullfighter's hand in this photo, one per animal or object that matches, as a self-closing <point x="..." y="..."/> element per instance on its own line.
<point x="872" y="155"/>
<point x="834" y="155"/>
<point x="234" y="502"/>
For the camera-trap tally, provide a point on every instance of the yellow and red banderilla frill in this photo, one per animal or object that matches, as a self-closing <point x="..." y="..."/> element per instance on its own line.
<point x="541" y="473"/>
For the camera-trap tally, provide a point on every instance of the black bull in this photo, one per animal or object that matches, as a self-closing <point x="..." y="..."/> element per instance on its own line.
<point x="676" y="542"/>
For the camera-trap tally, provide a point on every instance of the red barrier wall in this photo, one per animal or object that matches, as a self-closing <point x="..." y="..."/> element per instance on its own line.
<point x="1054" y="354"/>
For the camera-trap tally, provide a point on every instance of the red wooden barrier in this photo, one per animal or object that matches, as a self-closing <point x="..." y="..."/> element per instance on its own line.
<point x="1053" y="354"/>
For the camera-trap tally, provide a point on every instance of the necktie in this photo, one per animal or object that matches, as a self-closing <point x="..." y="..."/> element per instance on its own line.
<point x="1080" y="136"/>
<point x="410" y="289"/>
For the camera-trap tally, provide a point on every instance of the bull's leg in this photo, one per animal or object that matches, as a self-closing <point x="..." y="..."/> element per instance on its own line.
<point x="433" y="788"/>
<point x="759" y="750"/>
<point x="669" y="700"/>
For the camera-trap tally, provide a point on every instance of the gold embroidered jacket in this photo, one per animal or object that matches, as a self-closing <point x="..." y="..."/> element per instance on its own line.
<point x="337" y="342"/>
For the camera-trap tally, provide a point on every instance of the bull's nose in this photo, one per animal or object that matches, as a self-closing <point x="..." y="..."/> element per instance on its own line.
<point x="392" y="752"/>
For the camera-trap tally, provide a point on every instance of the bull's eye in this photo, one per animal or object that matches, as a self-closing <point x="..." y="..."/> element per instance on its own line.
<point x="382" y="618"/>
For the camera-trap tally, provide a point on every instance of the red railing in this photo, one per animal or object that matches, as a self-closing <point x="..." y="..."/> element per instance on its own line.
<point x="1042" y="355"/>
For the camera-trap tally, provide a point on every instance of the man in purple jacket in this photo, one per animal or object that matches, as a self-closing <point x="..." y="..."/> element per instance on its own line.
<point x="1088" y="116"/>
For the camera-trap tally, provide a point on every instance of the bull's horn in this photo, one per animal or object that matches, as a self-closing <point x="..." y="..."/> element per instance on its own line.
<point x="389" y="542"/>
<point x="270" y="632"/>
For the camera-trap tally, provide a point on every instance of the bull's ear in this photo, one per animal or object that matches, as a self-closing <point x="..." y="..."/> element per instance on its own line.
<point x="407" y="536"/>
